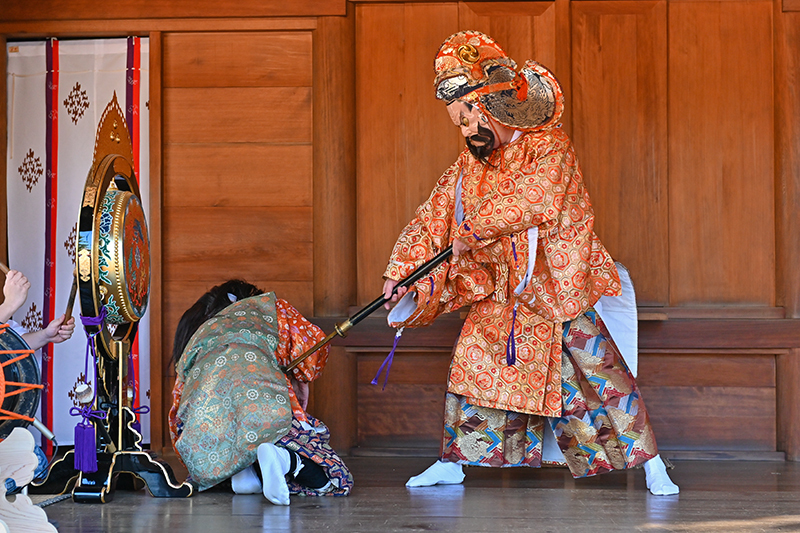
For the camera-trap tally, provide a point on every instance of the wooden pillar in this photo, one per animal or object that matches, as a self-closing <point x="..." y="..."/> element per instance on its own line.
<point x="787" y="158"/>
<point x="159" y="433"/>
<point x="334" y="397"/>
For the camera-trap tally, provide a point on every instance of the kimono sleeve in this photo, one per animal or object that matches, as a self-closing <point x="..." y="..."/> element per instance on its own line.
<point x="297" y="335"/>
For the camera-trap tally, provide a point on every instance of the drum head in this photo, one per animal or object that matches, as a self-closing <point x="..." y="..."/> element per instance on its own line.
<point x="25" y="371"/>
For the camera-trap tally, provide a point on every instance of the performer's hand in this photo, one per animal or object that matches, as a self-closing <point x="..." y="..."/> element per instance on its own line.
<point x="56" y="331"/>
<point x="460" y="247"/>
<point x="60" y="330"/>
<point x="15" y="291"/>
<point x="388" y="287"/>
<point x="301" y="391"/>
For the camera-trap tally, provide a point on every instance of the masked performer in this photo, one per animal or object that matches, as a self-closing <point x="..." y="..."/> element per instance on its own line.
<point x="534" y="358"/>
<point x="233" y="408"/>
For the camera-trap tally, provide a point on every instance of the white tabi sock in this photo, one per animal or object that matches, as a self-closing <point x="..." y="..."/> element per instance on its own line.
<point x="657" y="479"/>
<point x="246" y="481"/>
<point x="439" y="473"/>
<point x="274" y="463"/>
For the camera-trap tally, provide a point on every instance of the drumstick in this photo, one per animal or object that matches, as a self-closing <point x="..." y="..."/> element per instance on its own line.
<point x="4" y="268"/>
<point x="72" y="292"/>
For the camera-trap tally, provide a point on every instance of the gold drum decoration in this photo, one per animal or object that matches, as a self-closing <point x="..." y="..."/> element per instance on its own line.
<point x="123" y="258"/>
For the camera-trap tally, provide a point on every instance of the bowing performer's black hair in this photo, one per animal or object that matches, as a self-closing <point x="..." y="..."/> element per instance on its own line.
<point x="209" y="305"/>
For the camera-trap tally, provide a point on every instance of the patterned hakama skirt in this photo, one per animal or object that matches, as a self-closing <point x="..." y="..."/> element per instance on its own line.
<point x="604" y="425"/>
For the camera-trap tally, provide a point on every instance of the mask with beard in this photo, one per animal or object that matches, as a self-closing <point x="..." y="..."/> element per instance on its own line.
<point x="483" y="151"/>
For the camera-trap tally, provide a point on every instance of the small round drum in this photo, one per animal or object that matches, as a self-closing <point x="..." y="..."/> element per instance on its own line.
<point x="20" y="386"/>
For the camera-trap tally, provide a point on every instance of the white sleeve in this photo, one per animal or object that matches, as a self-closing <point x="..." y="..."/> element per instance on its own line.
<point x="17" y="327"/>
<point x="620" y="317"/>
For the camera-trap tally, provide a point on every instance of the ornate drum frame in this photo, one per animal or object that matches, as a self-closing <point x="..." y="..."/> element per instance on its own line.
<point x="113" y="256"/>
<point x="113" y="280"/>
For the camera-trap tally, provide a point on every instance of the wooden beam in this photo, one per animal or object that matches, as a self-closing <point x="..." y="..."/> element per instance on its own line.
<point x="41" y="29"/>
<point x="696" y="334"/>
<point x="24" y="10"/>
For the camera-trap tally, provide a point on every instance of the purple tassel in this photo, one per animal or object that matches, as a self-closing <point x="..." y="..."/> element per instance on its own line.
<point x="388" y="361"/>
<point x="511" y="344"/>
<point x="85" y="448"/>
<point x="85" y="435"/>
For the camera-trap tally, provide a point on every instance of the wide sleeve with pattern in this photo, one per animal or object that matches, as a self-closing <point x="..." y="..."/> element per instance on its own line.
<point x="297" y="335"/>
<point x="529" y="190"/>
<point x="429" y="232"/>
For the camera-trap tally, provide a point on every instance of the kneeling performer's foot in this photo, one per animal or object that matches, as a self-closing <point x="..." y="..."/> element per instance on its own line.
<point x="439" y="473"/>
<point x="246" y="481"/>
<point x="657" y="479"/>
<point x="274" y="463"/>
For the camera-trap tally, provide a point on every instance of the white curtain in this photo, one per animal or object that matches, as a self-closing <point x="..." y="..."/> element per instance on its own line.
<point x="57" y="91"/>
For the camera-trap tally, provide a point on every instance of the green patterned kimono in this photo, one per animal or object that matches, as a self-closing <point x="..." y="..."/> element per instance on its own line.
<point x="232" y="395"/>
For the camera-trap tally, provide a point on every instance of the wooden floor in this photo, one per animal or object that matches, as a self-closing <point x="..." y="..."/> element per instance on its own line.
<point x="716" y="496"/>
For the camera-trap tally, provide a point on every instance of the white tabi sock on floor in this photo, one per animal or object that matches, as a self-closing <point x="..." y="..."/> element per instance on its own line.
<point x="274" y="463"/>
<point x="657" y="479"/>
<point x="246" y="481"/>
<point x="439" y="473"/>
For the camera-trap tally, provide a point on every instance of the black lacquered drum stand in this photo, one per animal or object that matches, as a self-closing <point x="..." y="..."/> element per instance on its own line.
<point x="113" y="281"/>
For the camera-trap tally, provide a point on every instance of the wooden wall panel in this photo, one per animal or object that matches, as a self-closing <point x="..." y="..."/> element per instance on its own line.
<point x="619" y="65"/>
<point x="405" y="138"/>
<point x="214" y="243"/>
<point x="240" y="175"/>
<point x="237" y="161"/>
<point x="698" y="419"/>
<point x="241" y="59"/>
<point x="787" y="182"/>
<point x="407" y="414"/>
<point x="701" y="401"/>
<point x="525" y="30"/>
<point x="238" y="114"/>
<point x="721" y="153"/>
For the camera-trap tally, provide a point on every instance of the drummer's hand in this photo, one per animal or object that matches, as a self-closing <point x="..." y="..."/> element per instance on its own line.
<point x="61" y="330"/>
<point x="15" y="291"/>
<point x="388" y="287"/>
<point x="58" y="330"/>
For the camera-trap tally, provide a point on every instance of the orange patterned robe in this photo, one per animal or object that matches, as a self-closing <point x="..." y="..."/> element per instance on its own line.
<point x="534" y="181"/>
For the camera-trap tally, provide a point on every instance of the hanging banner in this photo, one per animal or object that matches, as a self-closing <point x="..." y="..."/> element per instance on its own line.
<point x="57" y="91"/>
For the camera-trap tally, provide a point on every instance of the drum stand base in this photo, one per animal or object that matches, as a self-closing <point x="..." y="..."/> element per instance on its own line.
<point x="142" y="467"/>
